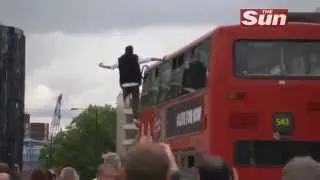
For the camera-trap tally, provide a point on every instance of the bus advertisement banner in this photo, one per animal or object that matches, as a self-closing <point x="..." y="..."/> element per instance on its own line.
<point x="185" y="118"/>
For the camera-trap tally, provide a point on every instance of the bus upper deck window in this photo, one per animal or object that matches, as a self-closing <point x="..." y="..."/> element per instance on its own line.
<point x="164" y="81"/>
<point x="180" y="60"/>
<point x="315" y="63"/>
<point x="277" y="58"/>
<point x="195" y="77"/>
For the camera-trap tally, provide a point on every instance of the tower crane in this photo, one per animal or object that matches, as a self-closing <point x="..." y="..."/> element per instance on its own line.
<point x="54" y="126"/>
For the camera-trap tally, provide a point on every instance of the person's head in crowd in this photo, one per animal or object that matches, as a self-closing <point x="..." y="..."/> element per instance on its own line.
<point x="112" y="167"/>
<point x="214" y="168"/>
<point x="50" y="175"/>
<point x="299" y="168"/>
<point x="4" y="168"/>
<point x="38" y="174"/>
<point x="112" y="160"/>
<point x="104" y="173"/>
<point x="4" y="176"/>
<point x="147" y="161"/>
<point x="68" y="173"/>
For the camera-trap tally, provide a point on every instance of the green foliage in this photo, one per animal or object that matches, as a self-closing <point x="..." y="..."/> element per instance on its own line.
<point x="82" y="143"/>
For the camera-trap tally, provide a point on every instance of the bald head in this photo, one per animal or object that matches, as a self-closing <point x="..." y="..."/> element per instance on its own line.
<point x="301" y="168"/>
<point x="4" y="176"/>
<point x="147" y="162"/>
<point x="214" y="167"/>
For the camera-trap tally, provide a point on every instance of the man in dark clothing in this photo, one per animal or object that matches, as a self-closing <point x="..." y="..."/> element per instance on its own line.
<point x="129" y="68"/>
<point x="130" y="77"/>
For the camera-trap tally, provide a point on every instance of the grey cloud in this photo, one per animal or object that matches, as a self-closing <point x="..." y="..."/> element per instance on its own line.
<point x="99" y="15"/>
<point x="47" y="113"/>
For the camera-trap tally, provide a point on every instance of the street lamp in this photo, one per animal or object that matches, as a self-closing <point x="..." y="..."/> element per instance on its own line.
<point x="96" y="126"/>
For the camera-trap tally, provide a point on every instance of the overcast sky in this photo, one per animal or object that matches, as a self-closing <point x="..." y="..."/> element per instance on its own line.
<point x="66" y="39"/>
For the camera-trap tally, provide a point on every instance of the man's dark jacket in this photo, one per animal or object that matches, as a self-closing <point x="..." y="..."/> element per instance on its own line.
<point x="129" y="69"/>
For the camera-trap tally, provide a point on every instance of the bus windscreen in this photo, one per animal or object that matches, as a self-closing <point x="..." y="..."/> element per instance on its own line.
<point x="273" y="153"/>
<point x="276" y="58"/>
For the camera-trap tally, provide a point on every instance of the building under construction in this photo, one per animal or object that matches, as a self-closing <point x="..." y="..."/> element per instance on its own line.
<point x="12" y="88"/>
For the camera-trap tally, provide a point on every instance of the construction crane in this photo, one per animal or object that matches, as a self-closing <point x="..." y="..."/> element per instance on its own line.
<point x="54" y="127"/>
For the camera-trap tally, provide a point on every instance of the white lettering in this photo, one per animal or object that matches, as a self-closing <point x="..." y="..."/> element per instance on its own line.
<point x="181" y="118"/>
<point x="250" y="18"/>
<point x="267" y="11"/>
<point x="281" y="17"/>
<point x="189" y="117"/>
<point x="264" y="17"/>
<point x="197" y="114"/>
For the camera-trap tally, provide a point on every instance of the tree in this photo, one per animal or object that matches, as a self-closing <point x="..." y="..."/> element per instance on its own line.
<point x="84" y="141"/>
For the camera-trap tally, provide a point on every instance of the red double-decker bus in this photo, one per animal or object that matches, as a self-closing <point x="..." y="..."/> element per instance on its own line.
<point x="248" y="94"/>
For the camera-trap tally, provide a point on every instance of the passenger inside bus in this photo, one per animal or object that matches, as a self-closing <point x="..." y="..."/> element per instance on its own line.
<point x="257" y="60"/>
<point x="315" y="63"/>
<point x="195" y="72"/>
<point x="303" y="60"/>
<point x="277" y="58"/>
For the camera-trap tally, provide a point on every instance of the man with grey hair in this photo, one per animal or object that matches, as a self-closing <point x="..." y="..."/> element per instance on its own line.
<point x="112" y="160"/>
<point x="299" y="168"/>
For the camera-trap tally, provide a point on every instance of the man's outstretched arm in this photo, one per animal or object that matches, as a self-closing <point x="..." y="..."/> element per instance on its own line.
<point x="140" y="61"/>
<point x="108" y="67"/>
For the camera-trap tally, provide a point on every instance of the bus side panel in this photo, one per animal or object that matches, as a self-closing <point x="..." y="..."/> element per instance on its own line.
<point x="259" y="101"/>
<point x="217" y="110"/>
<point x="234" y="112"/>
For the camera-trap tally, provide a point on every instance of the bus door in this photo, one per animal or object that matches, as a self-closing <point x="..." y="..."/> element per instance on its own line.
<point x="186" y="161"/>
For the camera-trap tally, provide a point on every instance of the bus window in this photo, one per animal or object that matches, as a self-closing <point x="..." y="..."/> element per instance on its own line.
<point x="195" y="74"/>
<point x="203" y="52"/>
<point x="277" y="58"/>
<point x="303" y="58"/>
<point x="191" y="161"/>
<point x="187" y="168"/>
<point x="147" y="80"/>
<point x="314" y="63"/>
<point x="149" y="89"/>
<point x="257" y="58"/>
<point x="154" y="90"/>
<point x="273" y="153"/>
<point x="176" y="77"/>
<point x="164" y="81"/>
